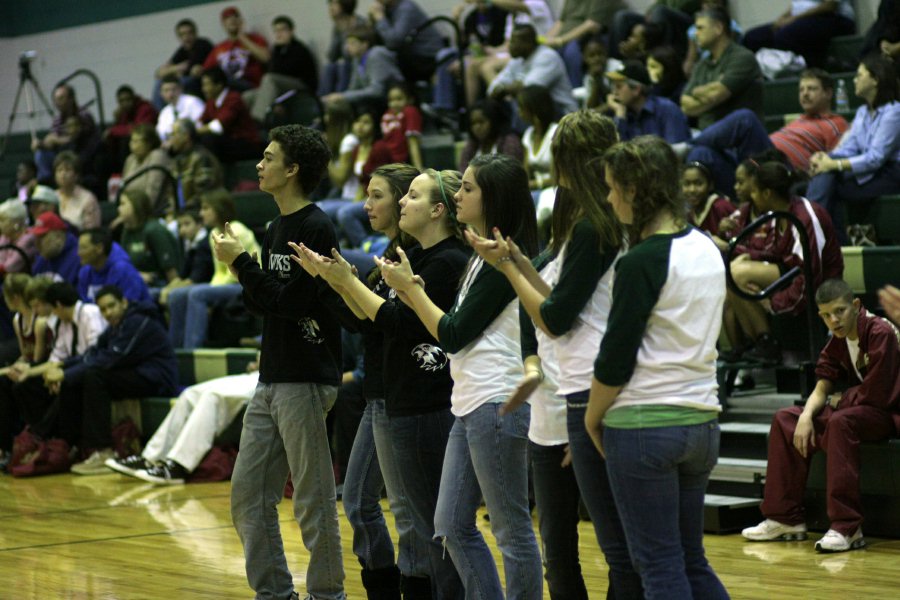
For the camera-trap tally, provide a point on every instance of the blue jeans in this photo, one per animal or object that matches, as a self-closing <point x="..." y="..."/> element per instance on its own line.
<point x="373" y="467"/>
<point x="571" y="55"/>
<point x="832" y="188"/>
<point x="335" y="77"/>
<point x="284" y="434"/>
<point x="487" y="453"/>
<point x="658" y="477"/>
<point x="43" y="160"/>
<point x="331" y="206"/>
<point x="419" y="445"/>
<point x="189" y="311"/>
<point x="725" y="144"/>
<point x="590" y="472"/>
<point x="354" y="220"/>
<point x="556" y="495"/>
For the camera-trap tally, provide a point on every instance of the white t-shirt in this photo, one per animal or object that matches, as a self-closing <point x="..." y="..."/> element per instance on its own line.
<point x="351" y="186"/>
<point x="548" y="406"/>
<point x="853" y="349"/>
<point x="490" y="367"/>
<point x="539" y="158"/>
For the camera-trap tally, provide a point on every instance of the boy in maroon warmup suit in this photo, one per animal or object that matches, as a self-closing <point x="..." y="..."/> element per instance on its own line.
<point x="862" y="358"/>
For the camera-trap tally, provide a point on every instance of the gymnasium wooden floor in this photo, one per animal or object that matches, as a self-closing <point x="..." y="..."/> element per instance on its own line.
<point x="110" y="537"/>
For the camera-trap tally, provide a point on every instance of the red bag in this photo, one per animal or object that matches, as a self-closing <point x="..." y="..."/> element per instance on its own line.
<point x="217" y="465"/>
<point x="126" y="438"/>
<point x="33" y="455"/>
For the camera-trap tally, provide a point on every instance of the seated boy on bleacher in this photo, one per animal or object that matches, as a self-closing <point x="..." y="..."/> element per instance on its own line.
<point x="132" y="358"/>
<point x="862" y="358"/>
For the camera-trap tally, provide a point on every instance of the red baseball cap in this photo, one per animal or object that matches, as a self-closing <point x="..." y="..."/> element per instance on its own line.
<point x="230" y="11"/>
<point x="48" y="221"/>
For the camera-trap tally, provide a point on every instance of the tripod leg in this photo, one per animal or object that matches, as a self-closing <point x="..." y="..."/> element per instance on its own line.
<point x="12" y="117"/>
<point x="40" y="95"/>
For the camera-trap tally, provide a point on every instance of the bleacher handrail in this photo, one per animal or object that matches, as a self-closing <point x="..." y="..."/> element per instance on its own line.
<point x="169" y="176"/>
<point x="461" y="44"/>
<point x="21" y="252"/>
<point x="813" y="339"/>
<point x="98" y="89"/>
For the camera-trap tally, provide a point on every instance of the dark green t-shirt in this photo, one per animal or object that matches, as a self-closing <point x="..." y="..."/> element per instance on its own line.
<point x="738" y="71"/>
<point x="152" y="248"/>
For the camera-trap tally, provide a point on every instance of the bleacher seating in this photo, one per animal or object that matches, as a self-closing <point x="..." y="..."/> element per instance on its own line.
<point x="242" y="170"/>
<point x="255" y="209"/>
<point x="883" y="212"/>
<point x="439" y="151"/>
<point x="844" y="49"/>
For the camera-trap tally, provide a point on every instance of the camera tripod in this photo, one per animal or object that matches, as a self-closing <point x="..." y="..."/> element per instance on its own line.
<point x="29" y="87"/>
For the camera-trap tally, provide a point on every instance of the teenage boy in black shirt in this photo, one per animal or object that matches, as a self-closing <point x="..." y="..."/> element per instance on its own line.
<point x="284" y="426"/>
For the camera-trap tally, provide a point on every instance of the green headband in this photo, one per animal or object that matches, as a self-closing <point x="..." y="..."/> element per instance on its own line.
<point x="444" y="200"/>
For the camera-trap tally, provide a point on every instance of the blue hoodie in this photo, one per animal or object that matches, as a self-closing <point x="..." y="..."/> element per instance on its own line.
<point x="119" y="271"/>
<point x="65" y="265"/>
<point x="140" y="342"/>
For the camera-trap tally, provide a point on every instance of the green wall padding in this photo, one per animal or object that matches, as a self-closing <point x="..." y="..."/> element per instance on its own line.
<point x="24" y="17"/>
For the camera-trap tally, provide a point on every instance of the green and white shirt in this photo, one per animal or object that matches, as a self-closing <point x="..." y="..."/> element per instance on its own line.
<point x="660" y="342"/>
<point x="578" y="306"/>
<point x="481" y="336"/>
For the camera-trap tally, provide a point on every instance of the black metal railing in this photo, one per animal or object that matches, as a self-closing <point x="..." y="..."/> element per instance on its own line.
<point x="98" y="92"/>
<point x="461" y="44"/>
<point x="21" y="253"/>
<point x="813" y="338"/>
<point x="170" y="182"/>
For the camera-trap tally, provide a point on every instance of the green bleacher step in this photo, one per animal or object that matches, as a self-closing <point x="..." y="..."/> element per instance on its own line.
<point x="727" y="514"/>
<point x="739" y="470"/>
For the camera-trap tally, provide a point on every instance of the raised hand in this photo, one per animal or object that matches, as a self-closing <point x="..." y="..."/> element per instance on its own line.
<point x="226" y="245"/>
<point x="397" y="275"/>
<point x="337" y="271"/>
<point x="299" y="256"/>
<point x="493" y="251"/>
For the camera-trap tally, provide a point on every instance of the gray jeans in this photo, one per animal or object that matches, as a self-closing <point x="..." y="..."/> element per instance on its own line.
<point x="284" y="433"/>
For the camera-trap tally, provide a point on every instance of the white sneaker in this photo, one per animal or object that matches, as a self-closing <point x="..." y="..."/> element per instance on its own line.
<point x="773" y="531"/>
<point x="834" y="541"/>
<point x="95" y="464"/>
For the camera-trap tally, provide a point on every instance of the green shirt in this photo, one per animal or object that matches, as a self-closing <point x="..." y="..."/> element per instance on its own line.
<point x="576" y="12"/>
<point x="152" y="248"/>
<point x="738" y="71"/>
<point x="656" y="415"/>
<point x="685" y="6"/>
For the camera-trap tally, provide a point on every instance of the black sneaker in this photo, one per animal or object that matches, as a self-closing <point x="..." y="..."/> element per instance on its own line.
<point x="766" y="350"/>
<point x="167" y="472"/>
<point x="128" y="465"/>
<point x="735" y="355"/>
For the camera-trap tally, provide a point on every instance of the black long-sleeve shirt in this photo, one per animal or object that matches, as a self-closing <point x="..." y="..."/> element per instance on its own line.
<point x="416" y="368"/>
<point x="295" y="60"/>
<point x="301" y="340"/>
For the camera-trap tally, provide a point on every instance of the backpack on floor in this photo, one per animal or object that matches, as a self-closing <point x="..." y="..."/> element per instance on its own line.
<point x="126" y="438"/>
<point x="217" y="465"/>
<point x="33" y="455"/>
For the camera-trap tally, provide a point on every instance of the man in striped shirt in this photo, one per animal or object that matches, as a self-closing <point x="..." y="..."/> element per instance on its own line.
<point x="723" y="145"/>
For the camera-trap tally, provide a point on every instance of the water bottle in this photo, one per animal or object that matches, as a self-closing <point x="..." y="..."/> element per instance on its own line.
<point x="841" y="101"/>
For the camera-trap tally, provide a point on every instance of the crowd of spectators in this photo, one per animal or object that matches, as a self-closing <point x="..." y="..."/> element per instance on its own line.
<point x="680" y="72"/>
